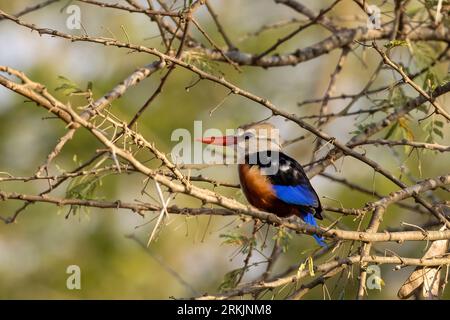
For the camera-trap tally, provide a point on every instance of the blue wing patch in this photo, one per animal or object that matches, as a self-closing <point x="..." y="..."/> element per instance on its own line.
<point x="298" y="195"/>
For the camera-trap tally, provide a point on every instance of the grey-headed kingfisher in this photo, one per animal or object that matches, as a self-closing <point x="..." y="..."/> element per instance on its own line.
<point x="271" y="180"/>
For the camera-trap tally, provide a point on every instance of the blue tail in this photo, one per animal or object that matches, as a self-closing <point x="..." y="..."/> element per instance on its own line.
<point x="309" y="219"/>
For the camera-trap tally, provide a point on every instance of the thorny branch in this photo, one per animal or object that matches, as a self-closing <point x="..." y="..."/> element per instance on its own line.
<point x="123" y="141"/>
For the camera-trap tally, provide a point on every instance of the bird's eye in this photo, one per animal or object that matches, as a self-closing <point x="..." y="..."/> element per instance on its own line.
<point x="248" y="136"/>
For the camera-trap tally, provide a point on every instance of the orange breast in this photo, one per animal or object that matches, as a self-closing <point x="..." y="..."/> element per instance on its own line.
<point x="256" y="187"/>
<point x="259" y="192"/>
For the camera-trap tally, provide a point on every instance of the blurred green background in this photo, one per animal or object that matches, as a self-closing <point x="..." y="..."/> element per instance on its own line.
<point x="36" y="250"/>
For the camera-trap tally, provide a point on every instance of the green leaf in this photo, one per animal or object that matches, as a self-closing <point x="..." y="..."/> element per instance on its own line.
<point x="438" y="132"/>
<point x="239" y="240"/>
<point x="68" y="87"/>
<point x="283" y="238"/>
<point x="431" y="81"/>
<point x="430" y="4"/>
<point x="391" y="131"/>
<point x="406" y="130"/>
<point x="83" y="188"/>
<point x="396" y="43"/>
<point x="230" y="280"/>
<point x="423" y="108"/>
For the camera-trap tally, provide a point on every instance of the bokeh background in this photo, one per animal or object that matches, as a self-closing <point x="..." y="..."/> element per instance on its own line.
<point x="36" y="250"/>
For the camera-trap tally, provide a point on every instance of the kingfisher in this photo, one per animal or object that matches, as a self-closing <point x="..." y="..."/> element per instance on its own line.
<point x="271" y="180"/>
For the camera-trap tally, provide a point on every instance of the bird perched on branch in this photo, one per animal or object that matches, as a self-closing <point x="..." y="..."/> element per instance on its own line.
<point x="271" y="180"/>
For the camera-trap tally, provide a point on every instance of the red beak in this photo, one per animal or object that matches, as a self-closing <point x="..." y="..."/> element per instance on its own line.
<point x="220" y="141"/>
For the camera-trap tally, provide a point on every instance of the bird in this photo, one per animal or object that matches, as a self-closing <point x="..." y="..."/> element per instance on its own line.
<point x="271" y="180"/>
